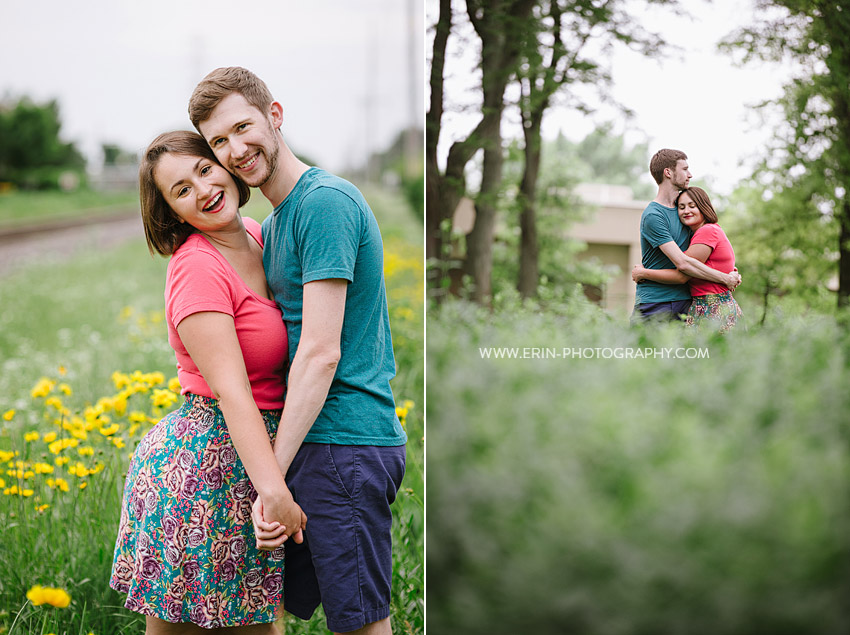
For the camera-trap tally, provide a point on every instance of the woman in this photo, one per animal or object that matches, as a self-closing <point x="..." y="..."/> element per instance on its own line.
<point x="711" y="301"/>
<point x="186" y="550"/>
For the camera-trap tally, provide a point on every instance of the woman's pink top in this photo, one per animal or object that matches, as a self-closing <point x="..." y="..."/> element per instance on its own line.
<point x="200" y="279"/>
<point x="721" y="257"/>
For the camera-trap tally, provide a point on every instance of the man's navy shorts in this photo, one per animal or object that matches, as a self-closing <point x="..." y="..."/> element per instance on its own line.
<point x="345" y="562"/>
<point x="660" y="311"/>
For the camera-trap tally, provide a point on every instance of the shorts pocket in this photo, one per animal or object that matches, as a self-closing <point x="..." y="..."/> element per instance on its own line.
<point x="344" y="467"/>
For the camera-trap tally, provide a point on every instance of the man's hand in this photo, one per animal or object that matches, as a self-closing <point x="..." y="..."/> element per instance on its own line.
<point x="276" y="521"/>
<point x="638" y="273"/>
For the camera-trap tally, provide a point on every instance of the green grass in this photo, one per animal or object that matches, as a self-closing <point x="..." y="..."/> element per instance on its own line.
<point x="636" y="496"/>
<point x="25" y="208"/>
<point x="100" y="313"/>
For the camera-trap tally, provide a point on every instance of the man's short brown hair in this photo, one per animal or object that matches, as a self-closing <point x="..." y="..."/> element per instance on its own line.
<point x="163" y="229"/>
<point x="219" y="83"/>
<point x="664" y="159"/>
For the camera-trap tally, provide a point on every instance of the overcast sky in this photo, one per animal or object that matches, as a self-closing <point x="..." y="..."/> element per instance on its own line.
<point x="694" y="98"/>
<point x="123" y="70"/>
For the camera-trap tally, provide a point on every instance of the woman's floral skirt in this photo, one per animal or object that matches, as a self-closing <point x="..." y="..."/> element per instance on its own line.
<point x="716" y="309"/>
<point x="186" y="549"/>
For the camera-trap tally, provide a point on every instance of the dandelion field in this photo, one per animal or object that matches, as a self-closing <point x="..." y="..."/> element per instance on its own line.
<point x="85" y="371"/>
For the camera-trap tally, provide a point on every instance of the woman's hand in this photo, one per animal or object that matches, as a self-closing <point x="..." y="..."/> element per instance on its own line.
<point x="638" y="273"/>
<point x="271" y="533"/>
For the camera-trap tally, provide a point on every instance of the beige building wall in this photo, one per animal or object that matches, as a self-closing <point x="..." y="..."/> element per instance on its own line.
<point x="612" y="235"/>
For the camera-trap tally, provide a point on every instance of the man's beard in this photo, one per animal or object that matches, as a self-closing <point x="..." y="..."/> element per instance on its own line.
<point x="271" y="159"/>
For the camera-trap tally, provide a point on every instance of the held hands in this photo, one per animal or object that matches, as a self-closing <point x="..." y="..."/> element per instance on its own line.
<point x="277" y="520"/>
<point x="733" y="279"/>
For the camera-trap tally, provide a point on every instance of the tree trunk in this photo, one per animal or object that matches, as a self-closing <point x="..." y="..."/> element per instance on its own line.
<point x="501" y="25"/>
<point x="528" y="249"/>
<point x="434" y="212"/>
<point x="844" y="255"/>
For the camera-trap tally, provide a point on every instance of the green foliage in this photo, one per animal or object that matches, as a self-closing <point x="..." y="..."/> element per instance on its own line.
<point x="413" y="188"/>
<point x="808" y="167"/>
<point x="635" y="496"/>
<point x="785" y="246"/>
<point x="32" y="156"/>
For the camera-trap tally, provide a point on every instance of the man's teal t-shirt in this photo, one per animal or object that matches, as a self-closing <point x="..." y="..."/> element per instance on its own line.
<point x="659" y="225"/>
<point x="324" y="229"/>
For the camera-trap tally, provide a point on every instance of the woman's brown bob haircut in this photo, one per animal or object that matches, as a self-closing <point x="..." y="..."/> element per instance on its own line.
<point x="163" y="229"/>
<point x="702" y="201"/>
<point x="219" y="83"/>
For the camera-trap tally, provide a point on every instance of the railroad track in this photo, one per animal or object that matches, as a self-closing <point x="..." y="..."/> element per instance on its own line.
<point x="16" y="232"/>
<point x="54" y="241"/>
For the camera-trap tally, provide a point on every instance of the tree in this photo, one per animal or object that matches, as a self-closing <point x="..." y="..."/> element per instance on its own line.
<point x="31" y="153"/>
<point x="501" y="26"/>
<point x="814" y="158"/>
<point x="570" y="32"/>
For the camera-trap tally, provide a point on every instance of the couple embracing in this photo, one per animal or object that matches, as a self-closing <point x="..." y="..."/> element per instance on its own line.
<point x="688" y="265"/>
<point x="284" y="356"/>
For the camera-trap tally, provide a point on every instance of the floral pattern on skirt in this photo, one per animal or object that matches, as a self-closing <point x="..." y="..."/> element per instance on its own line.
<point x="718" y="309"/>
<point x="186" y="549"/>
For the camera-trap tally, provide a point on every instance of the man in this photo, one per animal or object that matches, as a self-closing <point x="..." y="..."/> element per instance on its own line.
<point x="339" y="442"/>
<point x="663" y="240"/>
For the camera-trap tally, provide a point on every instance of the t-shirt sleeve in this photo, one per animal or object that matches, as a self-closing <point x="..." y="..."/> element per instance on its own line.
<point x="655" y="229"/>
<point x="197" y="281"/>
<point x="709" y="234"/>
<point x="327" y="232"/>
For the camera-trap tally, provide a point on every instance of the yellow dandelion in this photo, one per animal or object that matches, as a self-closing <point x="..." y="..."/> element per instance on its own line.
<point x="61" y="460"/>
<point x="137" y="417"/>
<point x="50" y="437"/>
<point x="2" y="483"/>
<point x="43" y="468"/>
<point x="43" y="387"/>
<point x="53" y="401"/>
<point x="48" y="595"/>
<point x="154" y="378"/>
<point x="31" y="436"/>
<point x="118" y="442"/>
<point x="65" y="389"/>
<point x="58" y="483"/>
<point x="109" y="431"/>
<point x="62" y="371"/>
<point x="120" y="380"/>
<point x="7" y="456"/>
<point x="40" y="508"/>
<point x="163" y="398"/>
<point x="119" y="404"/>
<point x="133" y="429"/>
<point x="83" y="485"/>
<point x="57" y="446"/>
<point x="85" y="451"/>
<point x="174" y="385"/>
<point x="7" y="416"/>
<point x="79" y="470"/>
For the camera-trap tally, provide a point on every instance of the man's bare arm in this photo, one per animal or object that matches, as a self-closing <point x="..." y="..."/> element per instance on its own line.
<point x="695" y="269"/>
